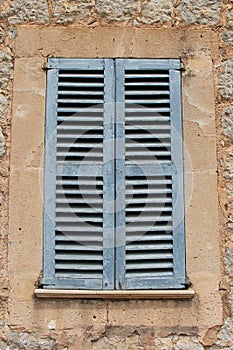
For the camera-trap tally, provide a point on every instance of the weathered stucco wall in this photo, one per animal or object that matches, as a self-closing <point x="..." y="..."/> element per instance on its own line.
<point x="29" y="32"/>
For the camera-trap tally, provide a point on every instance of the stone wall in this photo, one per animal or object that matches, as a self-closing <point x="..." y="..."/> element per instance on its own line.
<point x="216" y="15"/>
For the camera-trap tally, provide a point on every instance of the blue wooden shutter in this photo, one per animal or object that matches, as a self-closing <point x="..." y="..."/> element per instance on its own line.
<point x="150" y="247"/>
<point x="79" y="175"/>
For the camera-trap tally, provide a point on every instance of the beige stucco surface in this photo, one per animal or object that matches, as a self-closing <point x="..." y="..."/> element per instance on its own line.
<point x="197" y="50"/>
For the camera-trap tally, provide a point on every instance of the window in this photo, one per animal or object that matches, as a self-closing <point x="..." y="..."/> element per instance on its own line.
<point x="114" y="216"/>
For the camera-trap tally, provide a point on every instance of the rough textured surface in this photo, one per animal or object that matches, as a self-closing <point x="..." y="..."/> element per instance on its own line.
<point x="178" y="343"/>
<point x="91" y="333"/>
<point x="153" y="11"/>
<point x="118" y="343"/>
<point x="72" y="11"/>
<point x="227" y="33"/>
<point x="200" y="11"/>
<point x="20" y="11"/>
<point x="227" y="121"/>
<point x="228" y="167"/>
<point x="229" y="261"/>
<point x="185" y="343"/>
<point x="2" y="143"/>
<point x="6" y="65"/>
<point x="27" y="341"/>
<point x="225" y="81"/>
<point x="225" y="336"/>
<point x="120" y="10"/>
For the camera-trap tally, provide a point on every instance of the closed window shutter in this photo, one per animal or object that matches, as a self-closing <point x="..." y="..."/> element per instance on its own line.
<point x="149" y="176"/>
<point x="79" y="169"/>
<point x="113" y="175"/>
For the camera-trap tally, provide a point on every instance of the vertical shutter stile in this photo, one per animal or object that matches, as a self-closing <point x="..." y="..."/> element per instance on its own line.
<point x="178" y="178"/>
<point x="50" y="174"/>
<point x="109" y="177"/>
<point x="120" y="176"/>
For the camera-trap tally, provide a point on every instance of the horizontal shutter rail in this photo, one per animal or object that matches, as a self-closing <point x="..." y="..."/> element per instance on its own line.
<point x="76" y="75"/>
<point x="77" y="210"/>
<point x="148" y="92"/>
<point x="143" y="245"/>
<point x="148" y="181"/>
<point x="76" y="63"/>
<point x="79" y="266"/>
<point x="71" y="282"/>
<point x="89" y="181"/>
<point x="147" y="84"/>
<point x="75" y="219"/>
<point x="148" y="170"/>
<point x="84" y="137"/>
<point x="148" y="256"/>
<point x="83" y="101"/>
<point x="148" y="208"/>
<point x="143" y="119"/>
<point x="80" y="119"/>
<point x="74" y="128"/>
<point x="150" y="191"/>
<point x="137" y="228"/>
<point x="78" y="93"/>
<point x="82" y="110"/>
<point x="81" y="191"/>
<point x="145" y="101"/>
<point x="130" y="144"/>
<point x="68" y="144"/>
<point x="78" y="170"/>
<point x="63" y="227"/>
<point x="147" y="219"/>
<point x="152" y="153"/>
<point x="153" y="64"/>
<point x="150" y="265"/>
<point x="80" y="256"/>
<point x="89" y="85"/>
<point x="91" y="201"/>
<point x="145" y="136"/>
<point x="90" y="237"/>
<point x="143" y="76"/>
<point x="143" y="280"/>
<point x="87" y="154"/>
<point x="140" y="109"/>
<point x="150" y="201"/>
<point x="63" y="246"/>
<point x="159" y="127"/>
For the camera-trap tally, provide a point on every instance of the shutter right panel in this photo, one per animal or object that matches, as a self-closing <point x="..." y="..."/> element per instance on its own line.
<point x="150" y="236"/>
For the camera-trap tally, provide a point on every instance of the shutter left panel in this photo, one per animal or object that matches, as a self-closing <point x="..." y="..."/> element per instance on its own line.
<point x="78" y="219"/>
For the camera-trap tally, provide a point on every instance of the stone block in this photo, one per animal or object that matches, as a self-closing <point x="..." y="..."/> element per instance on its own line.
<point x="229" y="261"/>
<point x="227" y="121"/>
<point x="155" y="11"/>
<point x="2" y="143"/>
<point x="227" y="33"/>
<point x="72" y="11"/>
<point x="225" y="336"/>
<point x="21" y="11"/>
<point x="225" y="81"/>
<point x="200" y="11"/>
<point x="120" y="10"/>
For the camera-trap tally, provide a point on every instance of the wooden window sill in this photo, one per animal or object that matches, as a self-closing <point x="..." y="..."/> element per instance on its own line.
<point x="119" y="295"/>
